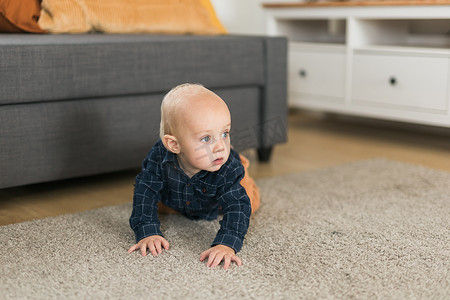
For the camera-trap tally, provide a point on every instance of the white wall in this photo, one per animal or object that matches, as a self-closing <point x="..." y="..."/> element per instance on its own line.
<point x="241" y="16"/>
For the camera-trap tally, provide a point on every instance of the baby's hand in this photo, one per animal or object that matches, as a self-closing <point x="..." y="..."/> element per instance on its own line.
<point x="153" y="242"/>
<point x="217" y="254"/>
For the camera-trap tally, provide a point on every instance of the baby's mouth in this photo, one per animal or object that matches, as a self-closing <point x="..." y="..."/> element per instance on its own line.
<point x="218" y="161"/>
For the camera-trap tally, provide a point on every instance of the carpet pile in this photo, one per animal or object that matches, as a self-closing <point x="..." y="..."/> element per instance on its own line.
<point x="367" y="229"/>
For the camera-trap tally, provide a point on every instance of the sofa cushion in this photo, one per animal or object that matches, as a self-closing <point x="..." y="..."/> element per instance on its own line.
<point x="63" y="139"/>
<point x="36" y="68"/>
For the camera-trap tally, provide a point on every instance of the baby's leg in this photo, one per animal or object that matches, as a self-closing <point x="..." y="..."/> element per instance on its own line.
<point x="250" y="186"/>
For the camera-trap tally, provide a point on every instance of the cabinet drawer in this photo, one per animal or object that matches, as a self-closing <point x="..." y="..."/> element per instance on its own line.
<point x="407" y="81"/>
<point x="317" y="72"/>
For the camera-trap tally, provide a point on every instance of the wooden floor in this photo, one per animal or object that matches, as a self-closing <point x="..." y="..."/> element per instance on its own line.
<point x="315" y="141"/>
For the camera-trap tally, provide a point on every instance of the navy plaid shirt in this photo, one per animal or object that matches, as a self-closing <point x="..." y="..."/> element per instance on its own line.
<point x="203" y="196"/>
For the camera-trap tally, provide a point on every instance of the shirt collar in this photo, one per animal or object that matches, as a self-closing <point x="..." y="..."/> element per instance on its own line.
<point x="171" y="159"/>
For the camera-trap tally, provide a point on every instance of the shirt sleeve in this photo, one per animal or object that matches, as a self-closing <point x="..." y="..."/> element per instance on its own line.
<point x="236" y="211"/>
<point x="147" y="193"/>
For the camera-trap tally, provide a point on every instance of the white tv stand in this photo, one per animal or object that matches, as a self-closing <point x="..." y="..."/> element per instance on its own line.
<point x="382" y="59"/>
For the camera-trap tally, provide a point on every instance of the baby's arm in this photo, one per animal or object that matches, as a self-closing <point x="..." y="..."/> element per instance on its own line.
<point x="144" y="218"/>
<point x="218" y="253"/>
<point x="236" y="210"/>
<point x="153" y="242"/>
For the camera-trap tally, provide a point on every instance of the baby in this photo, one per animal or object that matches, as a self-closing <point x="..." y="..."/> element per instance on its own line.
<point x="193" y="170"/>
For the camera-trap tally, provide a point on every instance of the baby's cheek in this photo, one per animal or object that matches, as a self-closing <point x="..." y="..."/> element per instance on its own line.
<point x="228" y="150"/>
<point x="202" y="154"/>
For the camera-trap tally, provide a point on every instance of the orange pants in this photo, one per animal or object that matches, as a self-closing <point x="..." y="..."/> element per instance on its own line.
<point x="247" y="182"/>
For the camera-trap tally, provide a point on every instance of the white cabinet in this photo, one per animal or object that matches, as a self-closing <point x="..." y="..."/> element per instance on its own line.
<point x="377" y="59"/>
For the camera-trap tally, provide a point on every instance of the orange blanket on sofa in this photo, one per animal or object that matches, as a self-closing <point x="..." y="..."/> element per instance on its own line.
<point x="130" y="16"/>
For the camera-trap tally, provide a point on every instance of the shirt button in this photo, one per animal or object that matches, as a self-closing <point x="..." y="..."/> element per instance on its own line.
<point x="204" y="190"/>
<point x="188" y="184"/>
<point x="188" y="202"/>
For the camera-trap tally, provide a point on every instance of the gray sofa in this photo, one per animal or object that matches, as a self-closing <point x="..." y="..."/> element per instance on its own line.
<point x="77" y="105"/>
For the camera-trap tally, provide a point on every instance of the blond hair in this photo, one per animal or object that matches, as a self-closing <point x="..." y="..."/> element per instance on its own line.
<point x="172" y="103"/>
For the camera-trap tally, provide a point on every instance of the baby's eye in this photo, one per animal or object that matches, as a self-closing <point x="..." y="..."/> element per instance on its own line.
<point x="225" y="134"/>
<point x="205" y="139"/>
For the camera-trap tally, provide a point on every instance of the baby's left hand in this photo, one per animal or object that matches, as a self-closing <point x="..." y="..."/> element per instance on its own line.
<point x="218" y="253"/>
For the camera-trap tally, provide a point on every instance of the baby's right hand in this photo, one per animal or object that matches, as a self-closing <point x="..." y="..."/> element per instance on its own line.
<point x="153" y="242"/>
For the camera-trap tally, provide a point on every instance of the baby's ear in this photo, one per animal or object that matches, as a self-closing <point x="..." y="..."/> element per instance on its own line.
<point x="171" y="143"/>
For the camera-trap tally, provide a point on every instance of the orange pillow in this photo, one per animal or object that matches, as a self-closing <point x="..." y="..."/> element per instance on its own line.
<point x="20" y="16"/>
<point x="130" y="16"/>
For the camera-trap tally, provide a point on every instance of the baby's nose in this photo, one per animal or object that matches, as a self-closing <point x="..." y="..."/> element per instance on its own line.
<point x="219" y="146"/>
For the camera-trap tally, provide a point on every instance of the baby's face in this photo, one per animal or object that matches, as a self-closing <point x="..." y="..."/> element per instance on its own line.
<point x="204" y="134"/>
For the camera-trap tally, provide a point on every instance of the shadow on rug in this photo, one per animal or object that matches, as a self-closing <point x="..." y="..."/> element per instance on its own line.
<point x="369" y="229"/>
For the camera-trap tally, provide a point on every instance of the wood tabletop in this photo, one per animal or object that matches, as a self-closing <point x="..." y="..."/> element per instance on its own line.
<point x="355" y="3"/>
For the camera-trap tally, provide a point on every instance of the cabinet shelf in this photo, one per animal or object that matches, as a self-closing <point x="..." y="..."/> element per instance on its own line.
<point x="433" y="33"/>
<point x="404" y="50"/>
<point x="315" y="46"/>
<point x="326" y="31"/>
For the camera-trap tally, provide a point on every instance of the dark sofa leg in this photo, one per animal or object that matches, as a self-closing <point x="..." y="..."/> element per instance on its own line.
<point x="264" y="154"/>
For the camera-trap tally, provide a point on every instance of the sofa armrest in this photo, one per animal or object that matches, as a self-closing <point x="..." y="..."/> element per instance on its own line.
<point x="273" y="125"/>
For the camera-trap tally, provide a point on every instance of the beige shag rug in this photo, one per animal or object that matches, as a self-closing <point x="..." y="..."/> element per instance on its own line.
<point x="364" y="230"/>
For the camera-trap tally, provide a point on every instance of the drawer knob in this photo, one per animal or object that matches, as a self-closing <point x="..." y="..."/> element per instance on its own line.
<point x="393" y="80"/>
<point x="302" y="73"/>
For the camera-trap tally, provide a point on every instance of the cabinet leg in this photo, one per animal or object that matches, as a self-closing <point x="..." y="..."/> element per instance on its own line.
<point x="264" y="154"/>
